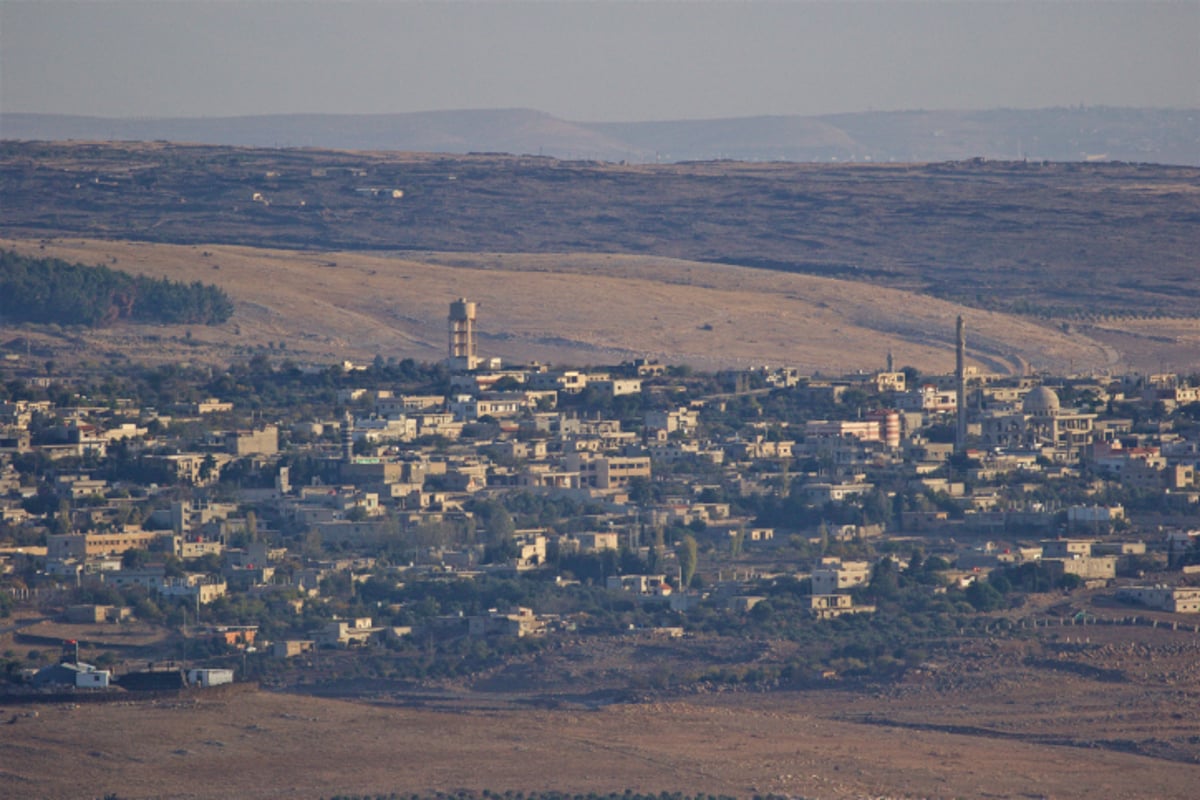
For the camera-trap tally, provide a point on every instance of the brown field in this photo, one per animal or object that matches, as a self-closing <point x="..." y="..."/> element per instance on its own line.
<point x="583" y="309"/>
<point x="1096" y="711"/>
<point x="814" y="744"/>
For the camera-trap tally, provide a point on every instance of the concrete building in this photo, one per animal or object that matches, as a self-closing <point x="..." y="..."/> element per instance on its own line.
<point x="1041" y="424"/>
<point x="819" y="494"/>
<point x="197" y="469"/>
<point x="262" y="441"/>
<point x="207" y="678"/>
<point x="290" y="648"/>
<point x="641" y="585"/>
<point x="1097" y="517"/>
<point x="462" y="354"/>
<point x="211" y="405"/>
<point x="1067" y="548"/>
<point x="90" y="614"/>
<point x="1086" y="567"/>
<point x="1176" y="599"/>
<point x="92" y="678"/>
<point x="93" y="545"/>
<point x="349" y="633"/>
<point x="188" y="516"/>
<point x="79" y="486"/>
<point x="833" y="575"/>
<point x="759" y="447"/>
<point x="879" y="426"/>
<point x="890" y="382"/>
<point x="928" y="398"/>
<point x="828" y="606"/>
<point x="616" y="387"/>
<point x="568" y="381"/>
<point x="517" y="621"/>
<point x="196" y="588"/>
<point x="597" y="541"/>
<point x="607" y="472"/>
<point x="682" y="419"/>
<point x="388" y="406"/>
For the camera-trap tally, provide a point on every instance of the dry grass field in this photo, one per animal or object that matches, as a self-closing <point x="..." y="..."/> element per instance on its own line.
<point x="1075" y="712"/>
<point x="585" y="309"/>
<point x="1062" y="267"/>
<point x="814" y="745"/>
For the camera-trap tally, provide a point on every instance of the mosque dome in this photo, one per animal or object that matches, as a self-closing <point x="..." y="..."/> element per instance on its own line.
<point x="1041" y="401"/>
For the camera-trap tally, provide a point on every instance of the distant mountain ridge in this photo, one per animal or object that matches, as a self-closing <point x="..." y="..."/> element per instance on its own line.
<point x="1165" y="136"/>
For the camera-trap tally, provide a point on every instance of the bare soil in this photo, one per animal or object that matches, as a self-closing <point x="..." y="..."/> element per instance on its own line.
<point x="1076" y="711"/>
<point x="1013" y="741"/>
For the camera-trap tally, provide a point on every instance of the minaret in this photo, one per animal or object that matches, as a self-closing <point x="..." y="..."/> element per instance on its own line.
<point x="348" y="437"/>
<point x="960" y="385"/>
<point x="890" y="362"/>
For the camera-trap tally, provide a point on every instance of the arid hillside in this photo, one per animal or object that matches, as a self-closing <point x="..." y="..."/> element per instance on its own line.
<point x="578" y="308"/>
<point x="1064" y="267"/>
<point x="1053" y="241"/>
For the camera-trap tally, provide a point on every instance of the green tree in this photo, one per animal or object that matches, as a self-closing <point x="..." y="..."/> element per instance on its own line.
<point x="135" y="558"/>
<point x="207" y="468"/>
<point x="688" y="555"/>
<point x="885" y="579"/>
<point x="984" y="596"/>
<point x="876" y="508"/>
<point x="500" y="526"/>
<point x="146" y="609"/>
<point x="641" y="490"/>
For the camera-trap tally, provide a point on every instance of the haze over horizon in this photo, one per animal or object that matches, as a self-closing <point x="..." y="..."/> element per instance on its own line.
<point x="592" y="61"/>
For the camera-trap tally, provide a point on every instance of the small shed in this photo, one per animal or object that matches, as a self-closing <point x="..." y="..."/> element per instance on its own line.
<point x="206" y="678"/>
<point x="93" y="679"/>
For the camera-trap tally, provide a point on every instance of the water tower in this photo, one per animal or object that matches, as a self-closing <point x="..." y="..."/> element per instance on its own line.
<point x="462" y="335"/>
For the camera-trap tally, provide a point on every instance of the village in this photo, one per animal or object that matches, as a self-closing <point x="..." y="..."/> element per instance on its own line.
<point x="408" y="509"/>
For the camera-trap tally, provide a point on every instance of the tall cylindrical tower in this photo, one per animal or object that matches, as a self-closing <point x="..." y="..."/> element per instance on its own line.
<point x="960" y="386"/>
<point x="348" y="437"/>
<point x="462" y="332"/>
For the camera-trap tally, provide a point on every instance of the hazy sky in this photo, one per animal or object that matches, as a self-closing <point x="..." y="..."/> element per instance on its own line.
<point x="592" y="61"/>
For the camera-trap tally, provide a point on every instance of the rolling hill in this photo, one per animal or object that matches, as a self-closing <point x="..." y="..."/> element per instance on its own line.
<point x="567" y="309"/>
<point x="1164" y="136"/>
<point x="1068" y="267"/>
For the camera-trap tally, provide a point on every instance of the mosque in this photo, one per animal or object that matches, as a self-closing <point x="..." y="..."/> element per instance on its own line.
<point x="1041" y="424"/>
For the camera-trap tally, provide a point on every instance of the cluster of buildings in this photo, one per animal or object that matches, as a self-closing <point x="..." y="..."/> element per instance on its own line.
<point x="947" y="462"/>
